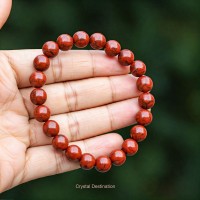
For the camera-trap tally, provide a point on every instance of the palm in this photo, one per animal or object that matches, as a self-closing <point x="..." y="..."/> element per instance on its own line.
<point x="23" y="146"/>
<point x="14" y="127"/>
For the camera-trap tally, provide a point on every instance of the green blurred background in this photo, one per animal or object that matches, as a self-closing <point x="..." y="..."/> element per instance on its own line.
<point x="165" y="35"/>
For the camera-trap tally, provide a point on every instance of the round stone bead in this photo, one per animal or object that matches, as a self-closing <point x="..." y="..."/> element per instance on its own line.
<point x="138" y="133"/>
<point x="73" y="152"/>
<point x="87" y="161"/>
<point x="51" y="128"/>
<point x="41" y="63"/>
<point x="50" y="49"/>
<point x="42" y="113"/>
<point x="81" y="39"/>
<point x="103" y="164"/>
<point x="118" y="157"/>
<point x="144" y="117"/>
<point x="144" y="84"/>
<point x="37" y="79"/>
<point x="146" y="100"/>
<point x="65" y="42"/>
<point x="112" y="48"/>
<point x="60" y="142"/>
<point x="126" y="57"/>
<point x="138" y="68"/>
<point x="38" y="96"/>
<point x="97" y="41"/>
<point x="130" y="147"/>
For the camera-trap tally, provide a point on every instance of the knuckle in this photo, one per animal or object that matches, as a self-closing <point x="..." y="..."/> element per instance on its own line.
<point x="74" y="127"/>
<point x="92" y="63"/>
<point x="112" y="89"/>
<point x="57" y="67"/>
<point x="110" y="117"/>
<point x="59" y="160"/>
<point x="71" y="96"/>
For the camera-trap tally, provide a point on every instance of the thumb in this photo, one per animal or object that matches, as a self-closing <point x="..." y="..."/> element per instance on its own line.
<point x="5" y="7"/>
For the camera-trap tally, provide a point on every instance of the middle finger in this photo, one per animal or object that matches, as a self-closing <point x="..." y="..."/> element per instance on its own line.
<point x="83" y="94"/>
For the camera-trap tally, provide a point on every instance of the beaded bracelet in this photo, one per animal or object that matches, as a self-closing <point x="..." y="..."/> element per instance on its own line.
<point x="51" y="128"/>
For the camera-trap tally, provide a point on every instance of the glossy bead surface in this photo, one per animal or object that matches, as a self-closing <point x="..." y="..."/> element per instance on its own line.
<point x="103" y="164"/>
<point x="41" y="63"/>
<point x="118" y="157"/>
<point x="146" y="100"/>
<point x="65" y="42"/>
<point x="126" y="57"/>
<point x="144" y="117"/>
<point x="37" y="79"/>
<point x="50" y="49"/>
<point x="97" y="41"/>
<point x="112" y="48"/>
<point x="144" y="84"/>
<point x="81" y="39"/>
<point x="42" y="113"/>
<point x="130" y="147"/>
<point x="51" y="128"/>
<point x="73" y="152"/>
<point x="138" y="133"/>
<point x="87" y="161"/>
<point x="60" y="142"/>
<point x="138" y="68"/>
<point x="38" y="96"/>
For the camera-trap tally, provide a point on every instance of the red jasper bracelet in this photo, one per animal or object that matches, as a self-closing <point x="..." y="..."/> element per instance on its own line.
<point x="51" y="128"/>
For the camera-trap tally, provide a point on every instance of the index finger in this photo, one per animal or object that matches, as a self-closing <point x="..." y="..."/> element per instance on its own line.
<point x="70" y="65"/>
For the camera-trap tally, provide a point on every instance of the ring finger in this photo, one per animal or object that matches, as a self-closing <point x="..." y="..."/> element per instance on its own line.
<point x="88" y="123"/>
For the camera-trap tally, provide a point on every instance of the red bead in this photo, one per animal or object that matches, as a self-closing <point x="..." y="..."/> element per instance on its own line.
<point x="126" y="57"/>
<point x="42" y="113"/>
<point x="60" y="142"/>
<point x="51" y="128"/>
<point x="144" y="117"/>
<point x="138" y="68"/>
<point x="87" y="161"/>
<point x="130" y="147"/>
<point x="50" y="49"/>
<point x="146" y="100"/>
<point x="81" y="39"/>
<point x="41" y="63"/>
<point x="118" y="157"/>
<point x="97" y="41"/>
<point x="112" y="48"/>
<point x="144" y="84"/>
<point x="65" y="42"/>
<point x="73" y="152"/>
<point x="38" y="96"/>
<point x="138" y="133"/>
<point x="103" y="164"/>
<point x="37" y="79"/>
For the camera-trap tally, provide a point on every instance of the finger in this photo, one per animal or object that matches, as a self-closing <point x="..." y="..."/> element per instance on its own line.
<point x="73" y="95"/>
<point x="55" y="162"/>
<point x="5" y="7"/>
<point x="88" y="123"/>
<point x="70" y="65"/>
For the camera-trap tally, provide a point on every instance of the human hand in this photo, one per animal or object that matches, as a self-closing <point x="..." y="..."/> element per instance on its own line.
<point x="89" y="94"/>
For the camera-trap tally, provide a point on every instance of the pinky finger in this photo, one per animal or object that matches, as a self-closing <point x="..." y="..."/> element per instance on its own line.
<point x="46" y="161"/>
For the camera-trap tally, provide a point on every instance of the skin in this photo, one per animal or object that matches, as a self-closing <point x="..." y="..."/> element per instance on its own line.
<point x="5" y="7"/>
<point x="88" y="93"/>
